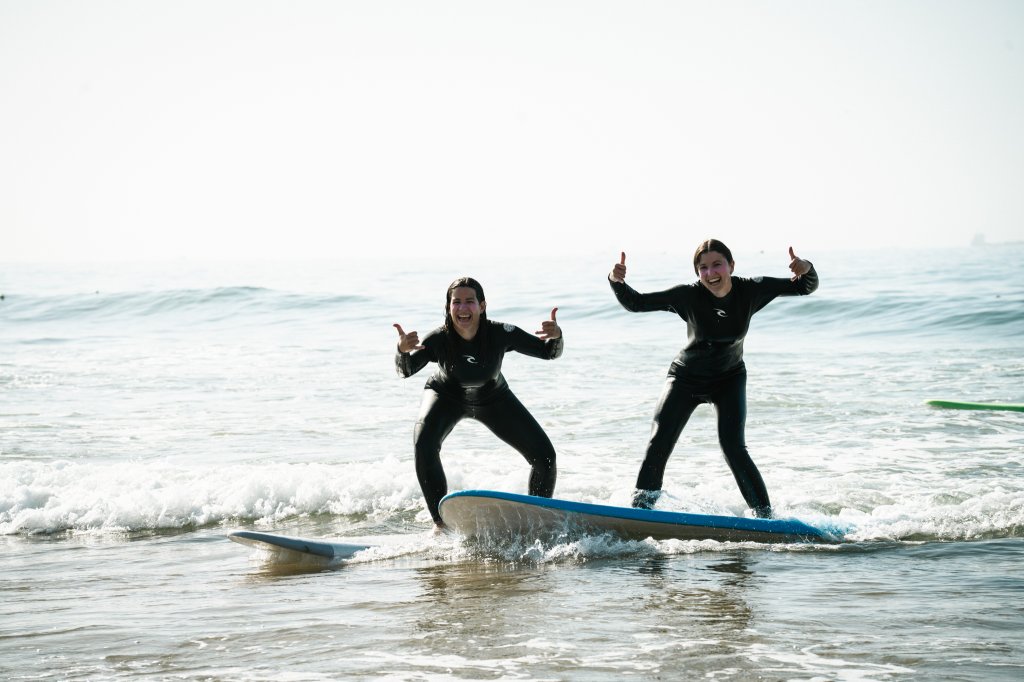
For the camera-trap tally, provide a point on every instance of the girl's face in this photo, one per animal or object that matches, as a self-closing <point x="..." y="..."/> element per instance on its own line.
<point x="715" y="273"/>
<point x="465" y="310"/>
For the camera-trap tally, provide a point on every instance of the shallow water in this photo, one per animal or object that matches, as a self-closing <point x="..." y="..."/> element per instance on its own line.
<point x="146" y="412"/>
<point x="194" y="606"/>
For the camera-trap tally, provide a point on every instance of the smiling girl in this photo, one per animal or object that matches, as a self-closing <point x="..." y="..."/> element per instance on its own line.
<point x="468" y="350"/>
<point x="709" y="369"/>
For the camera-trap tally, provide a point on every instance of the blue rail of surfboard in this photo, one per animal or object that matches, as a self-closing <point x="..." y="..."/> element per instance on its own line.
<point x="787" y="526"/>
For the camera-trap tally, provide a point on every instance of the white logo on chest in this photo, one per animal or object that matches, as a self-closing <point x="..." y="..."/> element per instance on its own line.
<point x="471" y="360"/>
<point x="720" y="312"/>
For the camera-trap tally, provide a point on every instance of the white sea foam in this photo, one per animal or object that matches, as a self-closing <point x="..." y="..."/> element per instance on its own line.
<point x="63" y="495"/>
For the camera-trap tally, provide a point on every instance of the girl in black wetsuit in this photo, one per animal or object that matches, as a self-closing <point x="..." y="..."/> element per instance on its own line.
<point x="709" y="369"/>
<point x="468" y="350"/>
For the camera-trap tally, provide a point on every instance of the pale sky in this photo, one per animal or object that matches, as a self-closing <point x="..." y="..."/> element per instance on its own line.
<point x="135" y="129"/>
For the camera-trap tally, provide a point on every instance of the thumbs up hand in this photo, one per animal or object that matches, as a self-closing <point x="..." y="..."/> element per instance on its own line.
<point x="550" y="328"/>
<point x="618" y="273"/>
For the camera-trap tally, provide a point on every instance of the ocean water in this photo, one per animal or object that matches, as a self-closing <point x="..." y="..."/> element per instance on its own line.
<point x="146" y="410"/>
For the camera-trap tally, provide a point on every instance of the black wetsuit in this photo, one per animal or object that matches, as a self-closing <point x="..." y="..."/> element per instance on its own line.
<point x="468" y="383"/>
<point x="709" y="369"/>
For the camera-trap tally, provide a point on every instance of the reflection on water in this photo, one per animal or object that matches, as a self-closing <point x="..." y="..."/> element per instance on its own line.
<point x="285" y="563"/>
<point x="194" y="608"/>
<point x="661" y="615"/>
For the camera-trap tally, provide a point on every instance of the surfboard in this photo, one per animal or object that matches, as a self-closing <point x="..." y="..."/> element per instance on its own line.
<point x="487" y="514"/>
<point x="961" y="405"/>
<point x="321" y="548"/>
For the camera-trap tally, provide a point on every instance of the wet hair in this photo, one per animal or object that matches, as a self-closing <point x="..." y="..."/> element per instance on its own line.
<point x="707" y="246"/>
<point x="449" y="324"/>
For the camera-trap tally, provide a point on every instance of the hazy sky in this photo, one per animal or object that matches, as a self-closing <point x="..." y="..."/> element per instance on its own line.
<point x="137" y="129"/>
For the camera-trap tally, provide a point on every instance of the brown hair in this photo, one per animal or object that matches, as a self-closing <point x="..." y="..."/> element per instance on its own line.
<point x="707" y="246"/>
<point x="449" y="324"/>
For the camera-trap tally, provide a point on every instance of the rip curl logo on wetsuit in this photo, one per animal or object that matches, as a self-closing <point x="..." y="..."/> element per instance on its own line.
<point x="720" y="312"/>
<point x="471" y="360"/>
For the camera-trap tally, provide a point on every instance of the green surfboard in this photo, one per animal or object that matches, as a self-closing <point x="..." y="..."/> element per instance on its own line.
<point x="961" y="405"/>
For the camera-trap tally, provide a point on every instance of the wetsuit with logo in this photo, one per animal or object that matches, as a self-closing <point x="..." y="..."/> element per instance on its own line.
<point x="469" y="383"/>
<point x="709" y="369"/>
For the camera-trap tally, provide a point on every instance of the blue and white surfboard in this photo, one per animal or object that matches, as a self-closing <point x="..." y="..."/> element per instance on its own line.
<point x="492" y="514"/>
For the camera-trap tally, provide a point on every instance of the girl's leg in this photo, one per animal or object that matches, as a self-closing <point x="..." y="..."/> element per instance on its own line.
<point x="730" y="400"/>
<point x="510" y="421"/>
<point x="674" y="408"/>
<point x="438" y="416"/>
